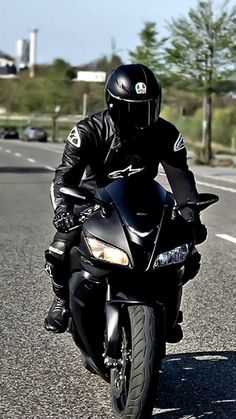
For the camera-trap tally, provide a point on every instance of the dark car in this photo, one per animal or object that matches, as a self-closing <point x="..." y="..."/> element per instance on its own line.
<point x="9" y="133"/>
<point x="34" y="134"/>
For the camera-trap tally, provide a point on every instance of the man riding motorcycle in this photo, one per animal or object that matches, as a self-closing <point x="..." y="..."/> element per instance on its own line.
<point x="128" y="137"/>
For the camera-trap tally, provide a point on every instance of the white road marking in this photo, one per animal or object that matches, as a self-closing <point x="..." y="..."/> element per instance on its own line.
<point x="31" y="160"/>
<point x="7" y="150"/>
<point x="210" y="185"/>
<point x="17" y="154"/>
<point x="227" y="237"/>
<point x="222" y="178"/>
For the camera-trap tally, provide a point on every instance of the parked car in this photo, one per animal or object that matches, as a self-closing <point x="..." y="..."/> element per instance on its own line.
<point x="34" y="134"/>
<point x="9" y="133"/>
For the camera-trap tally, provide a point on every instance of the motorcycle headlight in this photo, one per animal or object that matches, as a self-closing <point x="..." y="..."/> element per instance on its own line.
<point x="107" y="253"/>
<point x="176" y="255"/>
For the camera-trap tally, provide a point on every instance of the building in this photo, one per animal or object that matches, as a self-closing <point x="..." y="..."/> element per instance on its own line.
<point x="7" y="65"/>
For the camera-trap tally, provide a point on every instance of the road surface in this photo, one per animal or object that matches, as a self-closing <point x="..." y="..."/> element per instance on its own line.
<point x="41" y="374"/>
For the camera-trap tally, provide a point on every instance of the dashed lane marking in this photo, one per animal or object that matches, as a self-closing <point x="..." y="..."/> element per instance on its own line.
<point x="52" y="169"/>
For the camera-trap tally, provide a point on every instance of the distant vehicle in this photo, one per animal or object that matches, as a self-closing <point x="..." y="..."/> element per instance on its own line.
<point x="34" y="134"/>
<point x="9" y="133"/>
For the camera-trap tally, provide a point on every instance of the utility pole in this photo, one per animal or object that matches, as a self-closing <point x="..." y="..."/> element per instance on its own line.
<point x="85" y="100"/>
<point x="32" y="51"/>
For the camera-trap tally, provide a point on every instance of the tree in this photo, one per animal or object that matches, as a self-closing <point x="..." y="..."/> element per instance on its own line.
<point x="149" y="52"/>
<point x="202" y="55"/>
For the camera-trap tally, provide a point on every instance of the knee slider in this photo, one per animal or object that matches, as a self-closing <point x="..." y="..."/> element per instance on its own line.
<point x="57" y="252"/>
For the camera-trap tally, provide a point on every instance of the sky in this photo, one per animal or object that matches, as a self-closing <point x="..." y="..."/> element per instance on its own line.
<point x="80" y="31"/>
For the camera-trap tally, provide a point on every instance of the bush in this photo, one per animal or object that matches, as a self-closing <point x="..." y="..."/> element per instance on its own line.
<point x="190" y="126"/>
<point x="224" y="125"/>
<point x="170" y="113"/>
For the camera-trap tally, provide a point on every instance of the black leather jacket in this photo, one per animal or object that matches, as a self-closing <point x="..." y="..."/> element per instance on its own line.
<point x="96" y="153"/>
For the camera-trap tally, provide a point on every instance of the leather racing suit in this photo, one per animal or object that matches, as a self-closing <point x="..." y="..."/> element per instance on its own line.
<point x="96" y="153"/>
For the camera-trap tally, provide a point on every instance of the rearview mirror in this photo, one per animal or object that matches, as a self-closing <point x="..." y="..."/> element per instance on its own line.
<point x="76" y="195"/>
<point x="204" y="200"/>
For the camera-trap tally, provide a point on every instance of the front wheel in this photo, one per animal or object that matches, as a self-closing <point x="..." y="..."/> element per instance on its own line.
<point x="134" y="380"/>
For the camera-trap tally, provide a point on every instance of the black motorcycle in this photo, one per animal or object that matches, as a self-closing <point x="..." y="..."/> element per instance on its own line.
<point x="125" y="285"/>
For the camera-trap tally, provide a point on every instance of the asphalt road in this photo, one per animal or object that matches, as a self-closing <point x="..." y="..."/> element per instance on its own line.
<point x="41" y="374"/>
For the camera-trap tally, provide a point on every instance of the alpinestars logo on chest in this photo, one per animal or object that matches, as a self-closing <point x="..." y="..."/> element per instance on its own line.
<point x="128" y="171"/>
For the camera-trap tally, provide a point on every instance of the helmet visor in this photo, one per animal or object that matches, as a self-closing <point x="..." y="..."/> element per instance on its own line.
<point x="135" y="114"/>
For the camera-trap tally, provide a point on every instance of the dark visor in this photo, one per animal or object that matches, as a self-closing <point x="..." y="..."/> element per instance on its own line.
<point x="138" y="114"/>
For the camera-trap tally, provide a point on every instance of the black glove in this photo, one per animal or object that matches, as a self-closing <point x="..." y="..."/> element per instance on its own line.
<point x="200" y="232"/>
<point x="65" y="220"/>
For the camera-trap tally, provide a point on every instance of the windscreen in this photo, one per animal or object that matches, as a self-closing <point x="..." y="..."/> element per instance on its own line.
<point x="140" y="206"/>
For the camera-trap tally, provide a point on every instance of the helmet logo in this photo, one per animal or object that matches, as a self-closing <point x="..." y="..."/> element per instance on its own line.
<point x="140" y="88"/>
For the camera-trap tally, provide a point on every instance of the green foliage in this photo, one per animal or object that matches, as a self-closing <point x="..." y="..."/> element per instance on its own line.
<point x="202" y="46"/>
<point x="150" y="50"/>
<point x="52" y="86"/>
<point x="171" y="113"/>
<point x="202" y="53"/>
<point x="223" y="124"/>
<point x="190" y="126"/>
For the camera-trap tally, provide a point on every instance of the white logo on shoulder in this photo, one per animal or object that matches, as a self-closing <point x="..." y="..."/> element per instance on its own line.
<point x="179" y="143"/>
<point x="141" y="88"/>
<point x="74" y="137"/>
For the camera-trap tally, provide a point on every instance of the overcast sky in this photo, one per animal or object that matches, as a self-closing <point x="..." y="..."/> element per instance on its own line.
<point x="82" y="30"/>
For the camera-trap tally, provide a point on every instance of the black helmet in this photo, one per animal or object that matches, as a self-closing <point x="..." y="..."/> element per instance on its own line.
<point x="133" y="97"/>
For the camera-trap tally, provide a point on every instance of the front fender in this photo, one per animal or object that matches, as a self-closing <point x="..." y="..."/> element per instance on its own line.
<point x="114" y="308"/>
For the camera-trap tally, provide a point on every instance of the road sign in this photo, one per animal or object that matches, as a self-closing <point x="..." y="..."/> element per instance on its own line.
<point x="97" y="76"/>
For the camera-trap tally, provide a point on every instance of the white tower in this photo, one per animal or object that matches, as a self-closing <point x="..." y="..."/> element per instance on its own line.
<point x="32" y="51"/>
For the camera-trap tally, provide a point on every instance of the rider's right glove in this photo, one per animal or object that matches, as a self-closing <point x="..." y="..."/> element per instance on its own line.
<point x="64" y="219"/>
<point x="200" y="230"/>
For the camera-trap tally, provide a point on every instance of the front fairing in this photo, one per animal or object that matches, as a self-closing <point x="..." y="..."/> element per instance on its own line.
<point x="139" y="224"/>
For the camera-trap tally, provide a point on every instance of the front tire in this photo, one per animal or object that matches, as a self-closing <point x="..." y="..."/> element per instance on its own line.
<point x="134" y="380"/>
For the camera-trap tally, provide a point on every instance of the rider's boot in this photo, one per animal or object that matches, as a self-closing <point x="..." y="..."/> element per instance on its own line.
<point x="192" y="266"/>
<point x="174" y="317"/>
<point x="174" y="331"/>
<point x="175" y="334"/>
<point x="58" y="316"/>
<point x="57" y="266"/>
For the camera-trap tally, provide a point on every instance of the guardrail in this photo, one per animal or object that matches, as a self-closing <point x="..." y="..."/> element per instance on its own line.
<point x="43" y="118"/>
